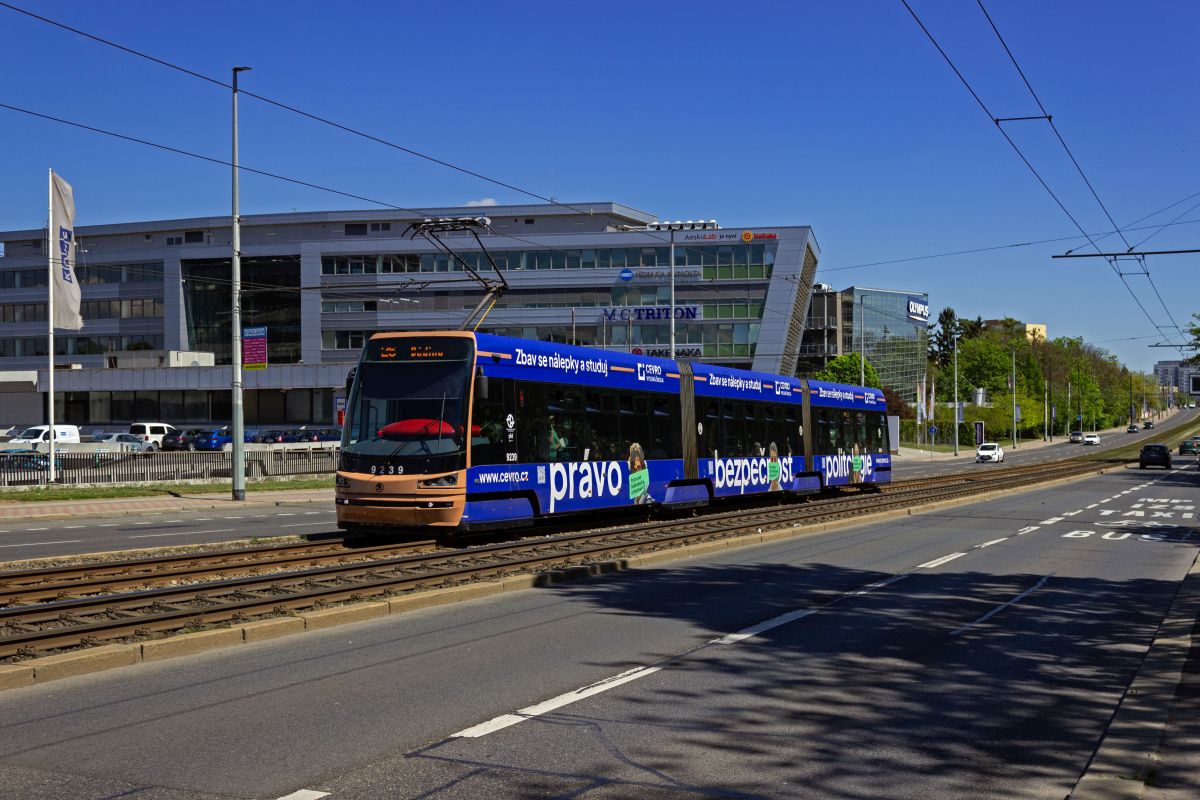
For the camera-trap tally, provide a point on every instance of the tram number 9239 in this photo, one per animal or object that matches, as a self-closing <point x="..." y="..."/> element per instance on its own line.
<point x="386" y="469"/>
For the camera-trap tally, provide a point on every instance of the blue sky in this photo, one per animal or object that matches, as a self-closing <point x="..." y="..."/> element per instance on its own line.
<point x="839" y="115"/>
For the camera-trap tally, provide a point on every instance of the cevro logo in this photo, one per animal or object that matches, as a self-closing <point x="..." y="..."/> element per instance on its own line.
<point x="584" y="481"/>
<point x="743" y="473"/>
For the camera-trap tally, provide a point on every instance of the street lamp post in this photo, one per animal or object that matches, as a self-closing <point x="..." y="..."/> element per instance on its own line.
<point x="957" y="403"/>
<point x="238" y="460"/>
<point x="1014" y="397"/>
<point x="862" y="345"/>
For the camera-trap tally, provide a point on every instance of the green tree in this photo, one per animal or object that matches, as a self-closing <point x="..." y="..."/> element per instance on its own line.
<point x="847" y="369"/>
<point x="941" y="337"/>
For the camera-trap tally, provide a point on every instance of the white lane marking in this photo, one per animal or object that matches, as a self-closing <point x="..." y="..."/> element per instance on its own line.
<point x="110" y="525"/>
<point x="36" y="529"/>
<point x="203" y="519"/>
<point x="35" y="544"/>
<point x="1001" y="607"/>
<point x="1027" y="529"/>
<point x="180" y="533"/>
<point x="1050" y="521"/>
<point x="505" y="720"/>
<point x="71" y="527"/>
<point x="1072" y="513"/>
<point x="172" y="520"/>
<point x="304" y="524"/>
<point x="310" y="513"/>
<point x="289" y="514"/>
<point x="1093" y="505"/>
<point x="139" y="523"/>
<point x="1105" y="500"/>
<point x="304" y="794"/>
<point x="937" y="562"/>
<point x="231" y="517"/>
<point x="992" y="542"/>
<point x="1188" y="515"/>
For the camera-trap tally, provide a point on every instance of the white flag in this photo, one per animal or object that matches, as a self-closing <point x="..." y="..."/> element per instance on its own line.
<point x="62" y="255"/>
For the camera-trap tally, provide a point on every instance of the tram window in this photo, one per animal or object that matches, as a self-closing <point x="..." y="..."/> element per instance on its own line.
<point x="664" y="427"/>
<point x="828" y="439"/>
<point x="734" y="418"/>
<point x="859" y="438"/>
<point x="708" y="440"/>
<point x="756" y="430"/>
<point x="846" y="430"/>
<point x="488" y="429"/>
<point x="533" y="433"/>
<point x="601" y="410"/>
<point x="795" y="441"/>
<point x="635" y="421"/>
<point x="568" y="433"/>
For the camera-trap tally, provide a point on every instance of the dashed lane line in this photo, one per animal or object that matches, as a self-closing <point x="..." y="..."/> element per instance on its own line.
<point x="304" y="524"/>
<point x="1028" y="529"/>
<point x="937" y="562"/>
<point x="304" y="794"/>
<point x="1001" y="607"/>
<point x="36" y="544"/>
<point x="180" y="533"/>
<point x="992" y="542"/>
<point x="1050" y="521"/>
<point x="554" y="703"/>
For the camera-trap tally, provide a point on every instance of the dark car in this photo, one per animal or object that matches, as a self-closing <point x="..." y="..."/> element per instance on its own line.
<point x="213" y="440"/>
<point x="1188" y="447"/>
<point x="302" y="435"/>
<point x="1155" y="455"/>
<point x="270" y="437"/>
<point x="181" y="440"/>
<point x="1149" y="424"/>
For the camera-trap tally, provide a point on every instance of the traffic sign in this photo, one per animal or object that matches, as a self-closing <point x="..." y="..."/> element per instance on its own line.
<point x="932" y="430"/>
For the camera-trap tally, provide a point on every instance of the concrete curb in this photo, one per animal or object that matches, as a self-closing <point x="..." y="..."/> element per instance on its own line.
<point x="1128" y="755"/>
<point x="81" y="662"/>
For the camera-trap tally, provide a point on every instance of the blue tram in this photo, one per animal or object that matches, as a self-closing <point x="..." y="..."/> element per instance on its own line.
<point x="469" y="430"/>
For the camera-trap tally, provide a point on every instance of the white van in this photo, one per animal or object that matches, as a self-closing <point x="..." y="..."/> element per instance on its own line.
<point x="64" y="434"/>
<point x="151" y="432"/>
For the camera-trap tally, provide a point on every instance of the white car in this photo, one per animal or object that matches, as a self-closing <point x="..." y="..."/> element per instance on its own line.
<point x="1091" y="438"/>
<point x="989" y="451"/>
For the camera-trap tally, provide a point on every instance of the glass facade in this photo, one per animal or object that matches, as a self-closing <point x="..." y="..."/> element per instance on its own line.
<point x="270" y="297"/>
<point x="261" y="406"/>
<point x="895" y="344"/>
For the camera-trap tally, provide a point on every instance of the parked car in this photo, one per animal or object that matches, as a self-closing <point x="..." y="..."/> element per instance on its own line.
<point x="213" y="439"/>
<point x="1188" y="447"/>
<point x="67" y="434"/>
<point x="331" y="434"/>
<point x="1157" y="455"/>
<point x="1091" y="438"/>
<point x="180" y="439"/>
<point x="125" y="442"/>
<point x="13" y="459"/>
<point x="1133" y="428"/>
<point x="151" y="431"/>
<point x="989" y="451"/>
<point x="301" y="435"/>
<point x="1076" y="436"/>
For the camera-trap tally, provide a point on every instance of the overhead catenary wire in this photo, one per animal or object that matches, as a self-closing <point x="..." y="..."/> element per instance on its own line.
<point x="1078" y="168"/>
<point x="1016" y="149"/>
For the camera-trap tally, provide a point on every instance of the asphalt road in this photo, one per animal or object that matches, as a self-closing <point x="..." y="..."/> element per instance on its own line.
<point x="46" y="538"/>
<point x="972" y="652"/>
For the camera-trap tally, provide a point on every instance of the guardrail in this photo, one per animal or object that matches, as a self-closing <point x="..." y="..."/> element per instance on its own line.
<point x="31" y="469"/>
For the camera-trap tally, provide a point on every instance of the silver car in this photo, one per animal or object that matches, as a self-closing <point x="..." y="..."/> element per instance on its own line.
<point x="125" y="442"/>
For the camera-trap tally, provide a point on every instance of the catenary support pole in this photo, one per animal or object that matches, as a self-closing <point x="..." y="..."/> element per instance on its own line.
<point x="238" y="434"/>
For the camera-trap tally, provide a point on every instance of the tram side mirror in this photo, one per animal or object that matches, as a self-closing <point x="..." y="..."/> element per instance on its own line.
<point x="481" y="384"/>
<point x="350" y="380"/>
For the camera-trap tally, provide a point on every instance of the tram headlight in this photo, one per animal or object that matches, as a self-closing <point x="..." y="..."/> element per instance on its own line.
<point x="439" y="483"/>
<point x="341" y="481"/>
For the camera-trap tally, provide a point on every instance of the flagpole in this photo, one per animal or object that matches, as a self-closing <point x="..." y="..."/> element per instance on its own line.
<point x="50" y="317"/>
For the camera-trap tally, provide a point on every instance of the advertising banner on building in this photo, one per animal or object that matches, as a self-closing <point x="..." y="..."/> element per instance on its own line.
<point x="254" y="348"/>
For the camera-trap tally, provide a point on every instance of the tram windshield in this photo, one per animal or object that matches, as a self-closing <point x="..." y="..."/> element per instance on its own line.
<point x="408" y="408"/>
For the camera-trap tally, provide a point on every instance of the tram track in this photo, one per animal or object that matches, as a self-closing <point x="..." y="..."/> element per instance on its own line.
<point x="61" y="608"/>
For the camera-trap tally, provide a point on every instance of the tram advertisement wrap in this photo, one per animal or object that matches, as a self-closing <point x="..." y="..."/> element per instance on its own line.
<point x="734" y="476"/>
<point x="840" y="470"/>
<point x="578" y="486"/>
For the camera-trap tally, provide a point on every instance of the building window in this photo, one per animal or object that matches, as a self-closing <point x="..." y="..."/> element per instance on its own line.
<point x="343" y="340"/>
<point x="348" y="306"/>
<point x="173" y="241"/>
<point x="356" y="229"/>
<point x="529" y="220"/>
<point x="193" y="237"/>
<point x="378" y="227"/>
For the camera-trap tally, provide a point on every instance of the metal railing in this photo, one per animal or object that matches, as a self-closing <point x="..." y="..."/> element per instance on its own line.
<point x="30" y="469"/>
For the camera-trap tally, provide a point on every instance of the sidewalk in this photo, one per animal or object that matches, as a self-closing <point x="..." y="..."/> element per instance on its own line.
<point x="122" y="506"/>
